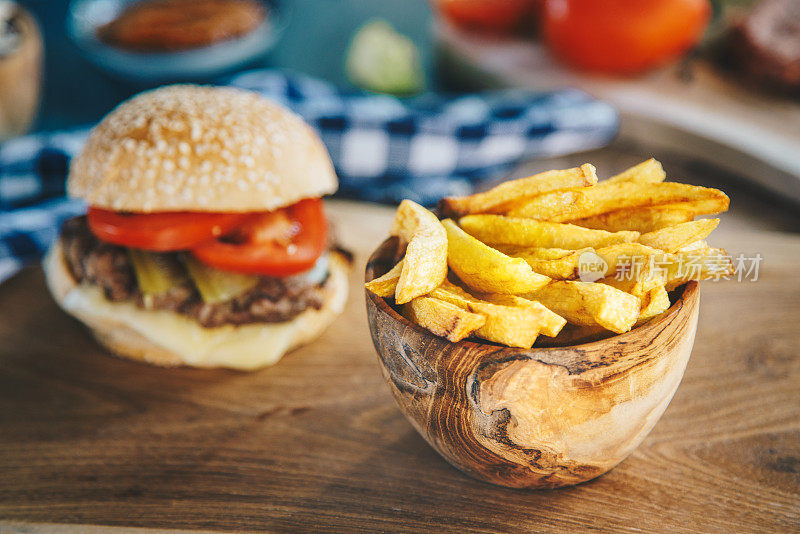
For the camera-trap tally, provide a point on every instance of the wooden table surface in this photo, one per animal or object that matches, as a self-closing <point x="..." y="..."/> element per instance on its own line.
<point x="317" y="443"/>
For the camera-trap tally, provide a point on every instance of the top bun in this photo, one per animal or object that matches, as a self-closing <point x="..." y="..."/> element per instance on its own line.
<point x="186" y="147"/>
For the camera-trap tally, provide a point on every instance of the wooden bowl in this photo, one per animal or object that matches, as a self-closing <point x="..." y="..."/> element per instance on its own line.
<point x="532" y="418"/>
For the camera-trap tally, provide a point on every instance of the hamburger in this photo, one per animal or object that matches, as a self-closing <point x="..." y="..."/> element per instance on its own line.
<point x="205" y="242"/>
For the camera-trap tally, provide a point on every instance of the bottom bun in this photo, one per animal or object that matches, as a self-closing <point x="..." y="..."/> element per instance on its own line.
<point x="167" y="338"/>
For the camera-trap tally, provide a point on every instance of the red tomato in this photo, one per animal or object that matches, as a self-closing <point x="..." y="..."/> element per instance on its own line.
<point x="175" y="230"/>
<point x="623" y="36"/>
<point x="496" y="16"/>
<point x="280" y="243"/>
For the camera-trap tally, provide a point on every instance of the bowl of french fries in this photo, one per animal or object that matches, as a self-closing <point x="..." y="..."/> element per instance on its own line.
<point x="534" y="333"/>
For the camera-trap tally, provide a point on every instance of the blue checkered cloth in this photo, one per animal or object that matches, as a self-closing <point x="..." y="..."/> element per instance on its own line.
<point x="384" y="148"/>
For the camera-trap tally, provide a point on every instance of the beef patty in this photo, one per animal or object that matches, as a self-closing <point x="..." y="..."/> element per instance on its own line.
<point x="108" y="267"/>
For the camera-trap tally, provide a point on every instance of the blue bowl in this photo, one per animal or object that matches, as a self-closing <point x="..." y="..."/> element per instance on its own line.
<point x="85" y="17"/>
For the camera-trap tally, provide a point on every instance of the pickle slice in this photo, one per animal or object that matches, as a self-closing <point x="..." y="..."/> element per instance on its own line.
<point x="215" y="285"/>
<point x="156" y="273"/>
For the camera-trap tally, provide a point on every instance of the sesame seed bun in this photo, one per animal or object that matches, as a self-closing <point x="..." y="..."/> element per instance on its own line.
<point x="193" y="148"/>
<point x="166" y="338"/>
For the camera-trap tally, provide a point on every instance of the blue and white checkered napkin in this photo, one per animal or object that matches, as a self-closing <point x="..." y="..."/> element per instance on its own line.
<point x="384" y="148"/>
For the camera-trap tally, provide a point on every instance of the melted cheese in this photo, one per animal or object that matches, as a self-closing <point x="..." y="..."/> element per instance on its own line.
<point x="239" y="347"/>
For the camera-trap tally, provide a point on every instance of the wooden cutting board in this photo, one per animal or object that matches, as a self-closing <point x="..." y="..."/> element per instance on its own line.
<point x="317" y="443"/>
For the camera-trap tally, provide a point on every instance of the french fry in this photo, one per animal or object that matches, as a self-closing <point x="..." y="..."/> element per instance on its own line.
<point x="671" y="270"/>
<point x="550" y="323"/>
<point x="495" y="198"/>
<point x="701" y="206"/>
<point x="678" y="236"/>
<point x="639" y="287"/>
<point x="572" y="265"/>
<point x="559" y="207"/>
<point x="556" y="254"/>
<point x="647" y="172"/>
<point x="509" y="325"/>
<point x="538" y="253"/>
<point x="500" y="230"/>
<point x="649" y="289"/>
<point x="485" y="269"/>
<point x="707" y="265"/>
<point x="425" y="262"/>
<point x="555" y="263"/>
<point x="409" y="218"/>
<point x="590" y="304"/>
<point x="624" y="254"/>
<point x="442" y="318"/>
<point x="638" y="219"/>
<point x="386" y="285"/>
<point x="696" y="247"/>
<point x="655" y="302"/>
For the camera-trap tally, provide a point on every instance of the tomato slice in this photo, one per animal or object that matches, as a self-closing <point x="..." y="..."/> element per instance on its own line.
<point x="166" y="231"/>
<point x="259" y="248"/>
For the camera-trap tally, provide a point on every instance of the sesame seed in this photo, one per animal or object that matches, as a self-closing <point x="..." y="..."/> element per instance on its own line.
<point x="196" y="142"/>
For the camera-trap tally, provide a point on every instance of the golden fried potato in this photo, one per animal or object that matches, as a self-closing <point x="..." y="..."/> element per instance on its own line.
<point x="655" y="302"/>
<point x="485" y="269"/>
<point x="495" y="198"/>
<point x="584" y="263"/>
<point x="550" y="323"/>
<point x="712" y="264"/>
<point x="500" y="230"/>
<point x="588" y="304"/>
<point x="442" y="318"/>
<point x="638" y="219"/>
<point x="670" y="270"/>
<point x="538" y="253"/>
<point x="676" y="237"/>
<point x="531" y="255"/>
<point x="649" y="289"/>
<point x="647" y="172"/>
<point x="425" y="262"/>
<point x="555" y="263"/>
<point x="409" y="218"/>
<point x="696" y="247"/>
<point x="640" y="287"/>
<point x="510" y="325"/>
<point x="701" y="206"/>
<point x="423" y="268"/>
<point x="559" y="207"/>
<point x="386" y="285"/>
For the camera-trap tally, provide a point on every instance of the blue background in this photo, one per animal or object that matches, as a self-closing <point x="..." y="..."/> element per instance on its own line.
<point x="315" y="41"/>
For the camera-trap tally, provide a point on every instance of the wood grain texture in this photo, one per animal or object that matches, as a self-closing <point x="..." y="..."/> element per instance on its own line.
<point x="317" y="442"/>
<point x="531" y="418"/>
